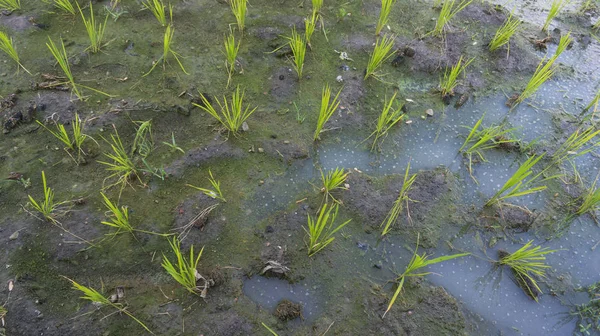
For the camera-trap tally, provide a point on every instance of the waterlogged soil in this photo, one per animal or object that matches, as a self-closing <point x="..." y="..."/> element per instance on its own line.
<point x="253" y="244"/>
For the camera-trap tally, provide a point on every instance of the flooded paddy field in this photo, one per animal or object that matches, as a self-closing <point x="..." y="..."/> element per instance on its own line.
<point x="429" y="238"/>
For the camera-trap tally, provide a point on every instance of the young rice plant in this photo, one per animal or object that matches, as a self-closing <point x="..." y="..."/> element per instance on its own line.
<point x="298" y="46"/>
<point x="450" y="80"/>
<point x="590" y="199"/>
<point x="389" y="117"/>
<point x="122" y="166"/>
<point x="321" y="230"/>
<point x="555" y="8"/>
<point x="381" y="52"/>
<point x="504" y="33"/>
<point x="448" y="11"/>
<point x="231" y="51"/>
<point x="168" y="51"/>
<point x="518" y="184"/>
<point x="333" y="180"/>
<point x="74" y="144"/>
<point x="159" y="10"/>
<point x="10" y="5"/>
<point x="143" y="143"/>
<point x="213" y="193"/>
<point x="239" y="7"/>
<point x="327" y="109"/>
<point x="398" y="206"/>
<point x="233" y="114"/>
<point x="384" y="14"/>
<point x="413" y="269"/>
<point x="95" y="32"/>
<point x="47" y="207"/>
<point x="7" y="46"/>
<point x="64" y="5"/>
<point x="185" y="270"/>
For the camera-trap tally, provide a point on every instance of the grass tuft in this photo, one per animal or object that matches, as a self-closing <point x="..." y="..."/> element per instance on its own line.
<point x="63" y="61"/>
<point x="555" y="8"/>
<point x="143" y="143"/>
<point x="398" y="207"/>
<point x="159" y="10"/>
<point x="213" y="193"/>
<point x="505" y="32"/>
<point x="526" y="263"/>
<point x="448" y="11"/>
<point x="185" y="270"/>
<point x="46" y="207"/>
<point x="95" y="32"/>
<point x="74" y="144"/>
<point x="122" y="166"/>
<point x="327" y="109"/>
<point x="450" y="80"/>
<point x="333" y="180"/>
<point x="231" y="51"/>
<point x="389" y="117"/>
<point x="413" y="269"/>
<point x="10" y="5"/>
<point x="384" y="14"/>
<point x="7" y="46"/>
<point x="381" y="52"/>
<point x="118" y="217"/>
<point x="168" y="51"/>
<point x="321" y="230"/>
<point x="518" y="184"/>
<point x="239" y="7"/>
<point x="232" y="115"/>
<point x="298" y="46"/>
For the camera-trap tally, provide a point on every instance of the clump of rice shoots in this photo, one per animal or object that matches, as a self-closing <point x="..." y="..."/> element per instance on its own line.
<point x="122" y="167"/>
<point x="555" y="8"/>
<point x="64" y="5"/>
<point x="413" y="269"/>
<point x="448" y="11"/>
<point x="215" y="192"/>
<point x="184" y="271"/>
<point x="450" y="79"/>
<point x="478" y="141"/>
<point x="525" y="264"/>
<point x="231" y="51"/>
<point x="590" y="201"/>
<point x="168" y="51"/>
<point x="320" y="230"/>
<point x="232" y="115"/>
<point x="310" y="24"/>
<point x="381" y="52"/>
<point x="298" y="46"/>
<point x="47" y="207"/>
<point x="333" y="180"/>
<point x="10" y="5"/>
<point x="327" y="109"/>
<point x="95" y="31"/>
<point x="74" y="143"/>
<point x="580" y="142"/>
<point x="8" y="47"/>
<point x="594" y="102"/>
<point x="504" y="33"/>
<point x="399" y="203"/>
<point x="389" y="117"/>
<point x="519" y="183"/>
<point x="159" y="10"/>
<point x="384" y="14"/>
<point x="239" y="7"/>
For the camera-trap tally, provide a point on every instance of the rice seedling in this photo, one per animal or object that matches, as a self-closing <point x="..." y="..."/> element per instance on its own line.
<point x="143" y="143"/>
<point x="413" y="269"/>
<point x="118" y="217"/>
<point x="10" y="5"/>
<point x="321" y="230"/>
<point x="590" y="199"/>
<point x="588" y="313"/>
<point x="389" y="117"/>
<point x="173" y="144"/>
<point x="298" y="46"/>
<point x="555" y="8"/>
<point x="381" y="52"/>
<point x="448" y="11"/>
<point x="231" y="51"/>
<point x="316" y="5"/>
<point x="543" y="72"/>
<point x="333" y="180"/>
<point x="310" y="23"/>
<point x="215" y="192"/>
<point x="579" y="143"/>
<point x="450" y="79"/>
<point x="384" y="14"/>
<point x="64" y="5"/>
<point x="525" y="263"/>
<point x="74" y="144"/>
<point x="398" y="207"/>
<point x="504" y="33"/>
<point x="232" y="115"/>
<point x="47" y="207"/>
<point x="158" y="9"/>
<point x="168" y="51"/>
<point x="122" y="166"/>
<point x="100" y="300"/>
<point x="95" y="32"/>
<point x="327" y="109"/>
<point x="478" y="141"/>
<point x="238" y="7"/>
<point x="8" y="47"/>
<point x="594" y="102"/>
<point x="518" y="184"/>
<point x="563" y="43"/>
<point x="184" y="272"/>
<point x="63" y="61"/>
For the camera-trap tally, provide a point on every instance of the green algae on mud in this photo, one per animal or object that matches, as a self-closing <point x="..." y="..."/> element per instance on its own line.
<point x="253" y="227"/>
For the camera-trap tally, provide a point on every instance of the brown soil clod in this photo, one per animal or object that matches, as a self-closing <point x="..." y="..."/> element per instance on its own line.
<point x="287" y="310"/>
